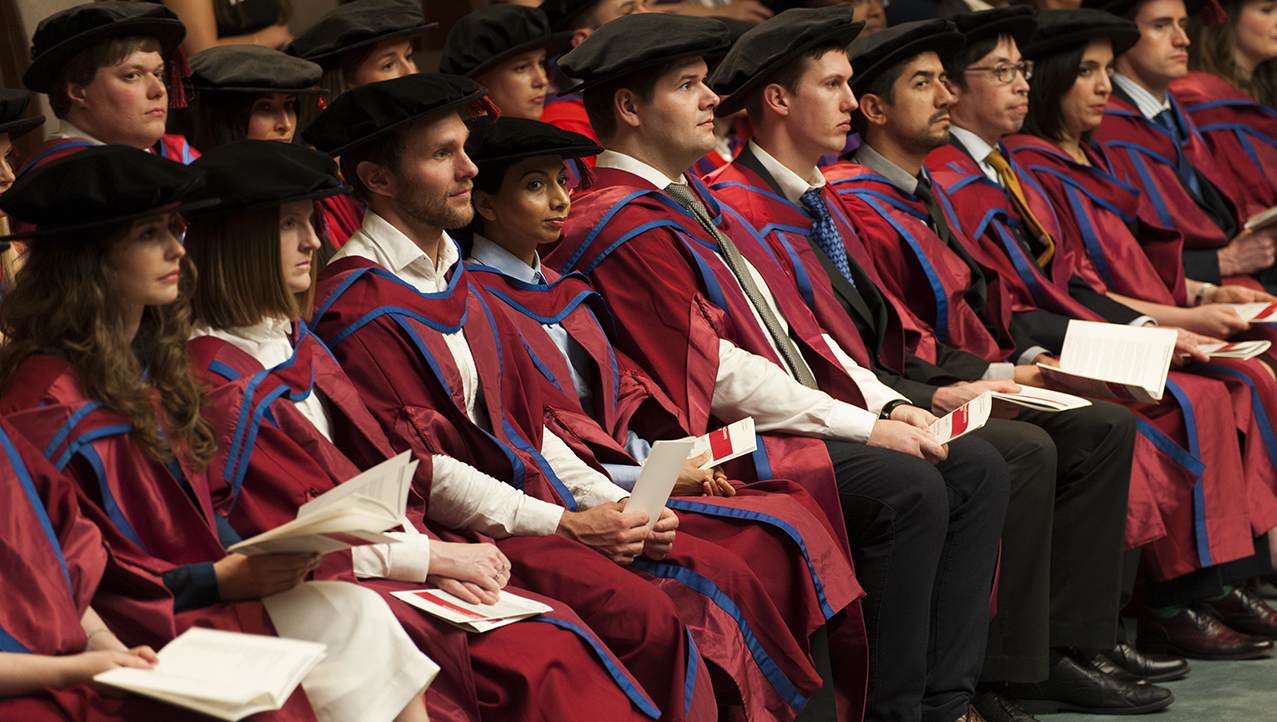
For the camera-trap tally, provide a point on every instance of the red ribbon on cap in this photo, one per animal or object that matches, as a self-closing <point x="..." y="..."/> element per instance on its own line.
<point x="1212" y="13"/>
<point x="481" y="107"/>
<point x="585" y="173"/>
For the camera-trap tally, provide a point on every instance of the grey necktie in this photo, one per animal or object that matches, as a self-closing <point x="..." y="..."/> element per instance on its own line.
<point x="736" y="264"/>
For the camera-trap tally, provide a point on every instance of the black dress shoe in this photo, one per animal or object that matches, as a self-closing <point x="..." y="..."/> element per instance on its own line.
<point x="1146" y="667"/>
<point x="1076" y="687"/>
<point x="1102" y="664"/>
<point x="1198" y="635"/>
<point x="1001" y="707"/>
<point x="1242" y="610"/>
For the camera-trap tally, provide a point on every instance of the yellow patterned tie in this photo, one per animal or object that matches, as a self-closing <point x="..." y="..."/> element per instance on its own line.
<point x="1012" y="185"/>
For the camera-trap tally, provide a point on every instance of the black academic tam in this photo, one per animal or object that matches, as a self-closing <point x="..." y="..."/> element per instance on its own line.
<point x="250" y="174"/>
<point x="99" y="186"/>
<point x="1062" y="29"/>
<point x="632" y="43"/>
<point x="13" y="103"/>
<point x="62" y="35"/>
<point x="371" y="111"/>
<point x="510" y="139"/>
<point x="873" y="55"/>
<point x="253" y="69"/>
<point x="358" y="24"/>
<point x="490" y="36"/>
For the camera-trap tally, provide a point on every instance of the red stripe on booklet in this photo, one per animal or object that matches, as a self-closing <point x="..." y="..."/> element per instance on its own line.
<point x="449" y="605"/>
<point x="354" y="541"/>
<point x="1272" y="307"/>
<point x="720" y="443"/>
<point x="961" y="418"/>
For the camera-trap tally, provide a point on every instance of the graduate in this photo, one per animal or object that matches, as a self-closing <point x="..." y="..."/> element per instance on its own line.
<point x="360" y="42"/>
<point x="1157" y="148"/>
<point x="1229" y="93"/>
<point x="581" y="18"/>
<point x="441" y="372"/>
<point x="95" y="372"/>
<point x="1017" y="234"/>
<point x="1065" y="103"/>
<point x="803" y="575"/>
<point x="657" y="249"/>
<point x="792" y="74"/>
<point x="505" y="48"/>
<point x="112" y="70"/>
<point x="13" y="105"/>
<point x="257" y="251"/>
<point x="246" y="91"/>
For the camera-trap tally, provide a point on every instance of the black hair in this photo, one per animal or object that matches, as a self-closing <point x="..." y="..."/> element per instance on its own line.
<point x="489" y="180"/>
<point x="956" y="65"/>
<point x="1053" y="78"/>
<point x="599" y="100"/>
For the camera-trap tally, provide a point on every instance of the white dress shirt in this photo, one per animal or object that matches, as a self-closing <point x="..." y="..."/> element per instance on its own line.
<point x="462" y="497"/>
<point x="66" y="129"/>
<point x="1148" y="105"/>
<point x="270" y="343"/>
<point x="750" y="385"/>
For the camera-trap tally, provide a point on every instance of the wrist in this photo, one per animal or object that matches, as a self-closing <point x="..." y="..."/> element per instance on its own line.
<point x="1205" y="293"/>
<point x="891" y="406"/>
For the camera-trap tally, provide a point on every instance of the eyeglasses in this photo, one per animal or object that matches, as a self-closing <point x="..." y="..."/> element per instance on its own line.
<point x="1006" y="73"/>
<point x="862" y="3"/>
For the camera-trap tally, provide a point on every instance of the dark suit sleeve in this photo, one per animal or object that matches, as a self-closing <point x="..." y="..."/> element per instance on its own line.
<point x="1038" y="328"/>
<point x="1202" y="265"/>
<point x="1108" y="309"/>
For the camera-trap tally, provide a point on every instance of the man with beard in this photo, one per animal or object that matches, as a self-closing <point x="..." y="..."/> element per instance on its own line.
<point x="700" y="304"/>
<point x="438" y="371"/>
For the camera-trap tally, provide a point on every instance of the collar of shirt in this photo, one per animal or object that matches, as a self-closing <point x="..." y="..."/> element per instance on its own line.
<point x="978" y="149"/>
<point x="379" y="241"/>
<point x="267" y="341"/>
<point x="494" y="256"/>
<point x="630" y="164"/>
<point x="67" y="130"/>
<point x="1144" y="100"/>
<point x="875" y="161"/>
<point x="791" y="184"/>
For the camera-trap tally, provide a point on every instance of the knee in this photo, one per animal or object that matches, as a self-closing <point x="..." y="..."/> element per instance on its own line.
<point x="1111" y="422"/>
<point x="977" y="472"/>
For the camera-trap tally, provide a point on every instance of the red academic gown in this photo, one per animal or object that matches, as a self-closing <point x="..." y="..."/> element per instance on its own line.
<point x="568" y="113"/>
<point x="1143" y="155"/>
<point x="775" y="525"/>
<point x="1237" y="128"/>
<point x="58" y="564"/>
<point x="389" y="339"/>
<point x="173" y="147"/>
<point x="342" y="217"/>
<point x="628" y="238"/>
<point x="271" y="459"/>
<point x="1206" y="512"/>
<point x="149" y="521"/>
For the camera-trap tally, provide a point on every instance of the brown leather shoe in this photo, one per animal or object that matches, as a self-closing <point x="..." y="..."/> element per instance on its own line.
<point x="1198" y="635"/>
<point x="1243" y="611"/>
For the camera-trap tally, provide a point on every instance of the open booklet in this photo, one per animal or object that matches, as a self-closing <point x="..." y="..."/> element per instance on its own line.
<point x="352" y="514"/>
<point x="1116" y="361"/>
<point x="510" y="608"/>
<point x="1262" y="219"/>
<point x="964" y="419"/>
<point x="726" y="443"/>
<point x="228" y="675"/>
<point x="1260" y="312"/>
<point x="1042" y="399"/>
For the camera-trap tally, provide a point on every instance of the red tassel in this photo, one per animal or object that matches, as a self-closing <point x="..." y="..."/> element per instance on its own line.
<point x="178" y="71"/>
<point x="585" y="173"/>
<point x="1212" y="13"/>
<point x="321" y="99"/>
<point x="483" y="107"/>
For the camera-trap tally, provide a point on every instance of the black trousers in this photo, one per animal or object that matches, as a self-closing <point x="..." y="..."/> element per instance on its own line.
<point x="1062" y="545"/>
<point x="925" y="541"/>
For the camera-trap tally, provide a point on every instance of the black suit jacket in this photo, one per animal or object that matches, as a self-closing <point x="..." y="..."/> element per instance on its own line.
<point x="873" y="314"/>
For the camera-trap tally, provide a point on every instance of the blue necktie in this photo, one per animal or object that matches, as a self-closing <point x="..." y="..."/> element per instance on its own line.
<point x="1166" y="119"/>
<point x="825" y="233"/>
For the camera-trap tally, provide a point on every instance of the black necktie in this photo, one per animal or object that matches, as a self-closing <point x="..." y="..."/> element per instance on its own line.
<point x="736" y="264"/>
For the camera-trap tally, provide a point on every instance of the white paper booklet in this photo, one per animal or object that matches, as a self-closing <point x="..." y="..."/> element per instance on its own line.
<point x="1255" y="312"/>
<point x="726" y="443"/>
<point x="1042" y="399"/>
<point x="352" y="514"/>
<point x="510" y="608"/>
<point x="227" y="675"/>
<point x="1106" y="359"/>
<point x="1237" y="349"/>
<point x="1262" y="218"/>
<point x="964" y="419"/>
<point x="657" y="478"/>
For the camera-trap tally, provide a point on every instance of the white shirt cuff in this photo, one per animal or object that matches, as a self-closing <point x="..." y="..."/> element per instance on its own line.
<point x="1000" y="371"/>
<point x="407" y="561"/>
<point x="1026" y="358"/>
<point x="1143" y="321"/>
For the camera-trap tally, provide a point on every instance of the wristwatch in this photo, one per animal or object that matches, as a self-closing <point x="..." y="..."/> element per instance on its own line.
<point x="890" y="406"/>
